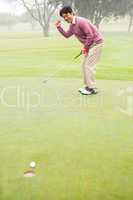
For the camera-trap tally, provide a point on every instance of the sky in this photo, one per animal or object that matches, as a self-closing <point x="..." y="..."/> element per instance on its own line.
<point x="13" y="8"/>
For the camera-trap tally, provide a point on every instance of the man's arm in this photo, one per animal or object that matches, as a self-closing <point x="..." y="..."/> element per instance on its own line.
<point x="66" y="34"/>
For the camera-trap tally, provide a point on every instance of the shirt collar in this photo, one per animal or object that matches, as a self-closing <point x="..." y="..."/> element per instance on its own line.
<point x="74" y="20"/>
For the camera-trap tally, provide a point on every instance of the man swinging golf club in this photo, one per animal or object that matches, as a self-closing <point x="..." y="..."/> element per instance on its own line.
<point x="92" y="41"/>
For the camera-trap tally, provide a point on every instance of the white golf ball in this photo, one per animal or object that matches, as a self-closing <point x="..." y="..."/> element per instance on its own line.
<point x="32" y="164"/>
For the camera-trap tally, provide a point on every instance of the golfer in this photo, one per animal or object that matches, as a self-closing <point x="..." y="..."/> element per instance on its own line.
<point x="92" y="41"/>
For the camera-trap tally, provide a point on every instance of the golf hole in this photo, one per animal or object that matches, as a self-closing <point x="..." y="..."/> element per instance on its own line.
<point x="29" y="173"/>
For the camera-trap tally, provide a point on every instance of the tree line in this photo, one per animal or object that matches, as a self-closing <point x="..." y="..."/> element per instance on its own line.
<point x="96" y="11"/>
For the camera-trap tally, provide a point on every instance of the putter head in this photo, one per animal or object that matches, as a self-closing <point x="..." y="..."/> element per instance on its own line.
<point x="78" y="55"/>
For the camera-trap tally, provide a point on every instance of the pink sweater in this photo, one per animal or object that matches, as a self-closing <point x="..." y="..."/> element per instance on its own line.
<point x="86" y="32"/>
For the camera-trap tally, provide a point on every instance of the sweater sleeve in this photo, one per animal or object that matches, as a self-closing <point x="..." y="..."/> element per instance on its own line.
<point x="66" y="34"/>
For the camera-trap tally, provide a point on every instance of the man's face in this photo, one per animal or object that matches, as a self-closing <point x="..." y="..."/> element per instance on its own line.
<point x="68" y="17"/>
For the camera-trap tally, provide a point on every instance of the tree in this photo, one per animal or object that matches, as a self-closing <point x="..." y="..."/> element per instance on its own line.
<point x="41" y="11"/>
<point x="125" y="8"/>
<point x="130" y="20"/>
<point x="97" y="10"/>
<point x="26" y="17"/>
<point x="130" y="13"/>
<point x="67" y="2"/>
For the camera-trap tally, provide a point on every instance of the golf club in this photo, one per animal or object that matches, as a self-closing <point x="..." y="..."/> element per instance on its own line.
<point x="53" y="75"/>
<point x="78" y="55"/>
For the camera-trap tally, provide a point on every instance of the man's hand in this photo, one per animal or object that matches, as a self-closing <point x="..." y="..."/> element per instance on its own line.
<point x="85" y="51"/>
<point x="58" y="24"/>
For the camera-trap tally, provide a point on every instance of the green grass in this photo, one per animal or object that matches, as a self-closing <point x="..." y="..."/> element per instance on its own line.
<point x="82" y="144"/>
<point x="38" y="56"/>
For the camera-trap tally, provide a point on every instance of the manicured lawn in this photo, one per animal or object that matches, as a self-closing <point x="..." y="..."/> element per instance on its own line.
<point x="82" y="145"/>
<point x="38" y="56"/>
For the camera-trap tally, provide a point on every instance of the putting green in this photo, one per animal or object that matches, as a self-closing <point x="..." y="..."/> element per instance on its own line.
<point x="82" y="145"/>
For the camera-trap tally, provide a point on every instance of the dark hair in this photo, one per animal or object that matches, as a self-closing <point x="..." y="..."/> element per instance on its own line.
<point x="65" y="10"/>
